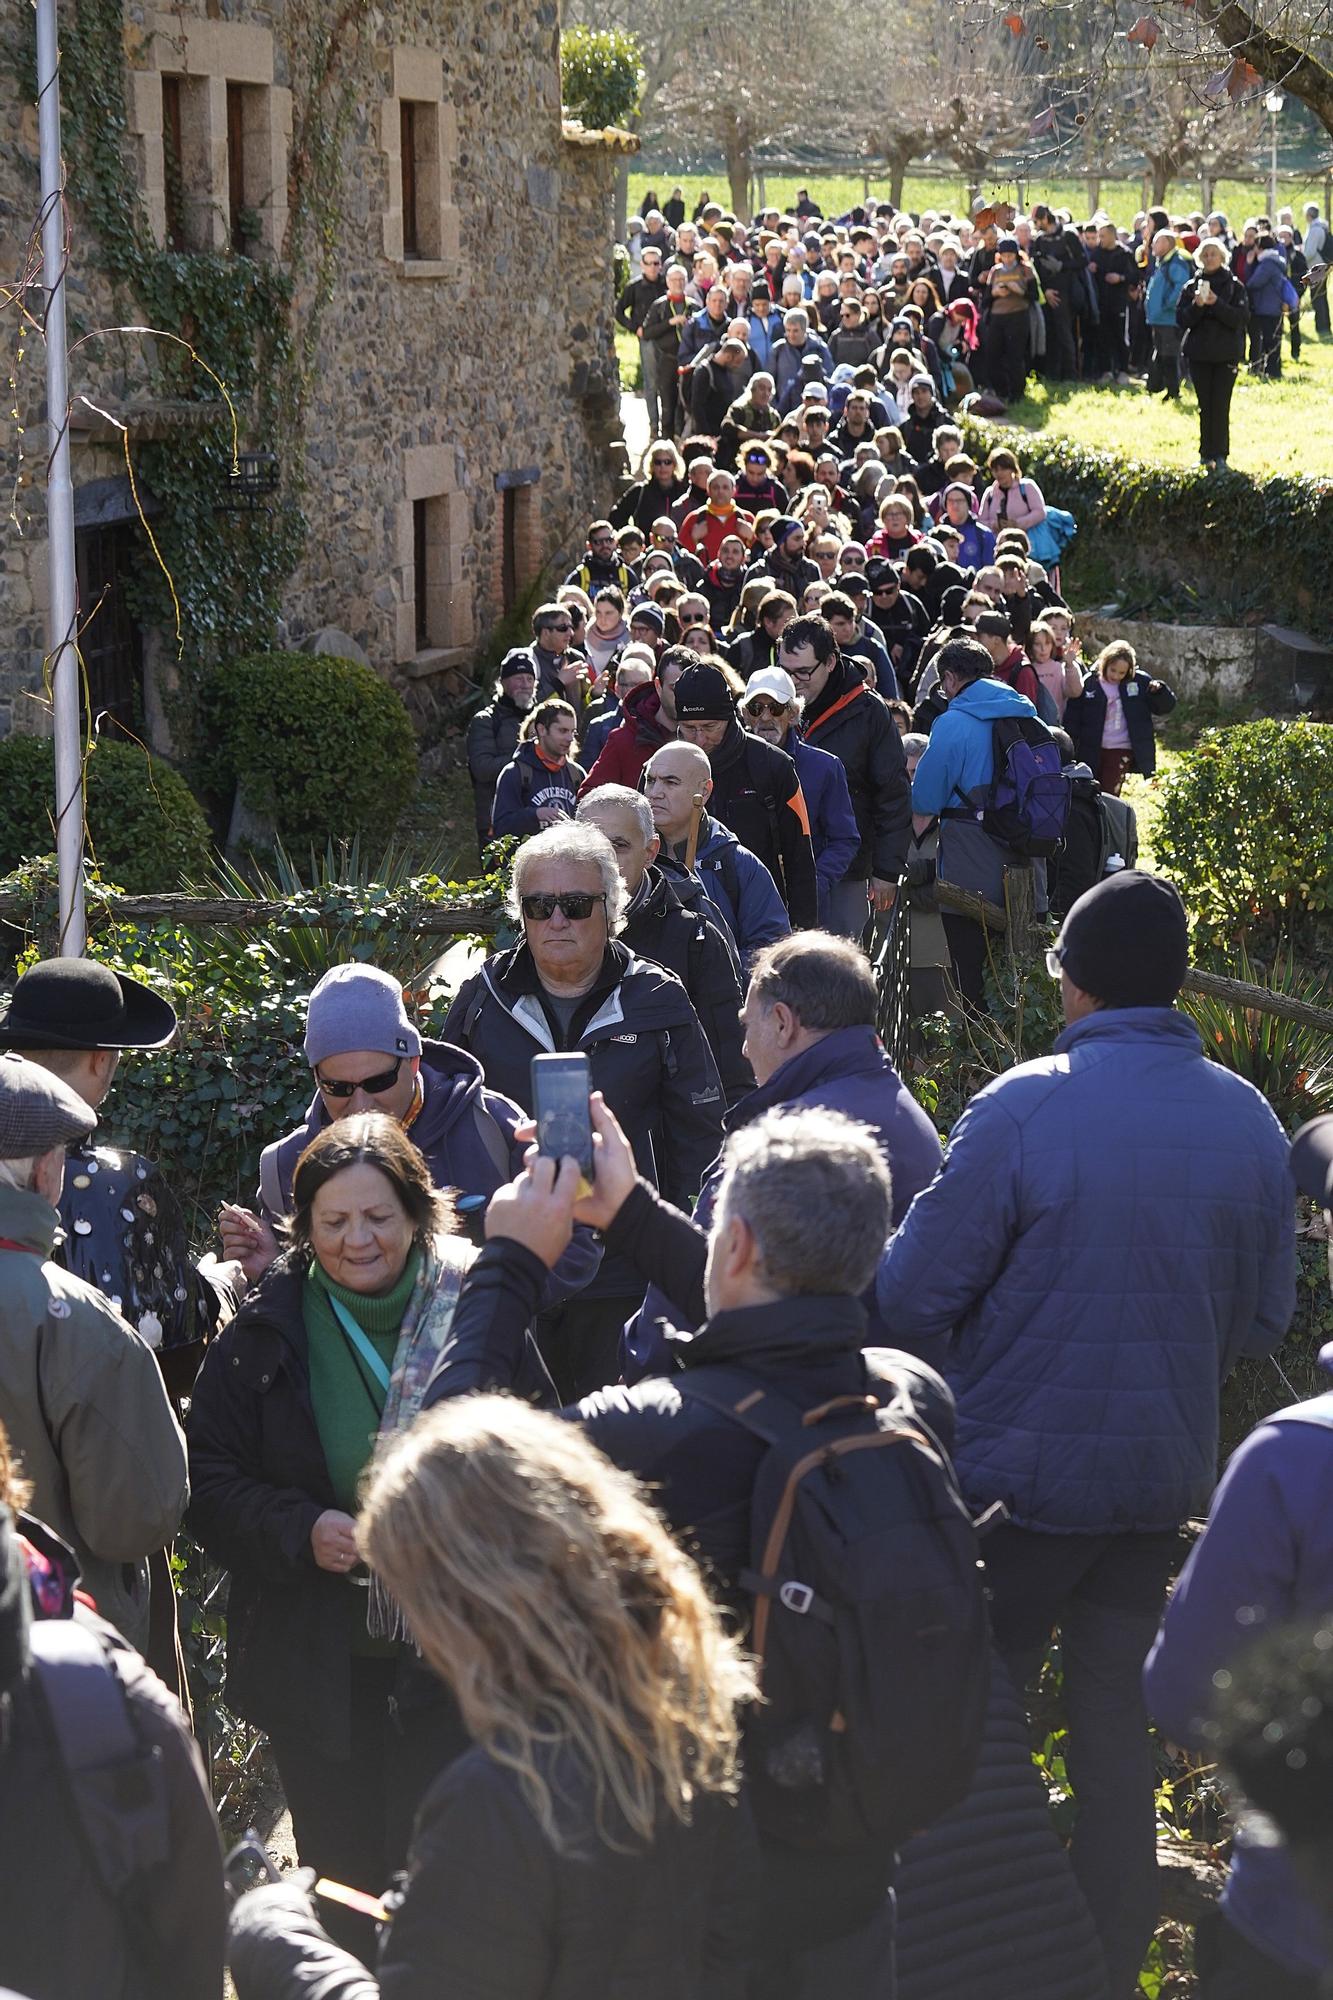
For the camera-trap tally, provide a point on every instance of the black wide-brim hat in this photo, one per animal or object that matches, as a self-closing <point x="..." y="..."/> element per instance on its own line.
<point x="74" y="1003"/>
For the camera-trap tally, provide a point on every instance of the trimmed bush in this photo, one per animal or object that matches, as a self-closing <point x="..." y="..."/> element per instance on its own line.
<point x="145" y="828"/>
<point x="322" y="747"/>
<point x="1265" y="542"/>
<point x="600" y="75"/>
<point x="1246" y="828"/>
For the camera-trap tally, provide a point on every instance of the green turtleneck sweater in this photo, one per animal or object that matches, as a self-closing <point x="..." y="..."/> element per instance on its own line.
<point x="348" y="1401"/>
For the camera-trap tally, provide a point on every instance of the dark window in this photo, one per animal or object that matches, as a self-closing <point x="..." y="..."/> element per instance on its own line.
<point x="509" y="547"/>
<point x="110" y="640"/>
<point x="419" y="564"/>
<point x="172" y="155"/>
<point x="408" y="147"/>
<point x="236" y="166"/>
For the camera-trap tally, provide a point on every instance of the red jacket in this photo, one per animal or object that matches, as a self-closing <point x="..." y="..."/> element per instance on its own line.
<point x="631" y="743"/>
<point x="704" y="532"/>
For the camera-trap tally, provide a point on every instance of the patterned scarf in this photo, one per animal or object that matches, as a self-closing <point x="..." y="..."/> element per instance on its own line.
<point x="426" y="1325"/>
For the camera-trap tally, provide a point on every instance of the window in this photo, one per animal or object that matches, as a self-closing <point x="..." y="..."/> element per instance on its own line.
<point x="519" y="555"/>
<point x="420" y="570"/>
<point x="408" y="148"/>
<point x="236" y="166"/>
<point x="173" y="158"/>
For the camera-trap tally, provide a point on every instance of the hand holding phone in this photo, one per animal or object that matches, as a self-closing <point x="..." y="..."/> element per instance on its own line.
<point x="1203" y="295"/>
<point x="561" y="1085"/>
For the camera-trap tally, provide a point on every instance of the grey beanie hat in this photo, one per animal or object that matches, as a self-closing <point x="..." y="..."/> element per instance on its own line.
<point x="38" y="1110"/>
<point x="358" y="1007"/>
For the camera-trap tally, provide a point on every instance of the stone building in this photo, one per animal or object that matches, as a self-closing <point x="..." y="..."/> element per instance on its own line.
<point x="461" y="426"/>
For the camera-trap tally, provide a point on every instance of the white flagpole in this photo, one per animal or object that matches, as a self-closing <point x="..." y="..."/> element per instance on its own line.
<point x="60" y="501"/>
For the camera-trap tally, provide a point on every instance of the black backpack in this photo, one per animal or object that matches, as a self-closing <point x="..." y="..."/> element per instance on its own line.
<point x="870" y="1620"/>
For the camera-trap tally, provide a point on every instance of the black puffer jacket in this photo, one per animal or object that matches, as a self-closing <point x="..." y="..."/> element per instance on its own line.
<point x="492" y="738"/>
<point x="492" y="1909"/>
<point x="669" y="923"/>
<point x="1216" y="332"/>
<point x="757" y="793"/>
<point x="852" y="723"/>
<point x="647" y="1054"/>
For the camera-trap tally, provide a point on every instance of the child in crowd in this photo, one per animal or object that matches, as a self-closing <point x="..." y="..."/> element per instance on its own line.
<point x="1111" y="722"/>
<point x="1056" y="669"/>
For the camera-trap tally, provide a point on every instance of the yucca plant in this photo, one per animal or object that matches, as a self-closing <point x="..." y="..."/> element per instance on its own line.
<point x="1289" y="1061"/>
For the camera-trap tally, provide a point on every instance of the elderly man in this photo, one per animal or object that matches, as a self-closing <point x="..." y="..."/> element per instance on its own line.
<point x="572" y="985"/>
<point x="802" y="1208"/>
<point x="1112" y="1230"/>
<point x="367" y="1054"/>
<point x="678" y="782"/>
<point x="705" y="530"/>
<point x="756" y="792"/>
<point x="557" y="669"/>
<point x="81" y="1396"/>
<point x="798" y="344"/>
<point x="844" y="717"/>
<point x="669" y="920"/>
<point x="659" y="346"/>
<point x="770" y="708"/>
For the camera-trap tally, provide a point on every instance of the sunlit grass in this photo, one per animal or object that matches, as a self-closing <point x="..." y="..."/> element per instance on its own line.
<point x="1284" y="426"/>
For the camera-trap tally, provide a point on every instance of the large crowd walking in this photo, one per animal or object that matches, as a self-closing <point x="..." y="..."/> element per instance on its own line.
<point x="651" y="1469"/>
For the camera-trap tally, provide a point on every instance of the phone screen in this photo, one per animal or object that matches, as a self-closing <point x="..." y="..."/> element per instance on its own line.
<point x="560" y="1087"/>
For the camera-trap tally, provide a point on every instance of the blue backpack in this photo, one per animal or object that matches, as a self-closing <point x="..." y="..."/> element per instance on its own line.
<point x="1027" y="806"/>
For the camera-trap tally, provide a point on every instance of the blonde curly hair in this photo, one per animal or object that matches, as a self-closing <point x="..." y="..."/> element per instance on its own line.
<point x="545" y="1592"/>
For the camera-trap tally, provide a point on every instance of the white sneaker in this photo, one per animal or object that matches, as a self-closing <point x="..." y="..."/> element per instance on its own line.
<point x="1124" y="380"/>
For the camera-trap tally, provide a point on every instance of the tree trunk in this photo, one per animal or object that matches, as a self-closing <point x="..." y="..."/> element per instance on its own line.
<point x="1094" y="192"/>
<point x="1277" y="59"/>
<point x="1161" y="171"/>
<point x="737" y="147"/>
<point x="899" y="162"/>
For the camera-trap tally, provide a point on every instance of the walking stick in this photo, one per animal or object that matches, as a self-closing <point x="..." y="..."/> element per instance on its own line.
<point x="696" y="818"/>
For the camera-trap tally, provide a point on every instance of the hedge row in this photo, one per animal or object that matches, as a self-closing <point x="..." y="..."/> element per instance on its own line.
<point x="1255" y="543"/>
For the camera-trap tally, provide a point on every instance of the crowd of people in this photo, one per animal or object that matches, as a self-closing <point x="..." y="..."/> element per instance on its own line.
<point x="606" y="1548"/>
<point x="964" y="307"/>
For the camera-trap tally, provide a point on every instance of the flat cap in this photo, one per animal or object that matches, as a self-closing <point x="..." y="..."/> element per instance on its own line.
<point x="38" y="1111"/>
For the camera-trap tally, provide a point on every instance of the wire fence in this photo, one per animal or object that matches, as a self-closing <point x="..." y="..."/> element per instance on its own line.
<point x="891" y="956"/>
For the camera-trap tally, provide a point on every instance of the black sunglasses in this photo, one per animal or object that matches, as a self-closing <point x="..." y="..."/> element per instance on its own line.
<point x="374" y="1086"/>
<point x="760" y="707"/>
<point x="575" y="904"/>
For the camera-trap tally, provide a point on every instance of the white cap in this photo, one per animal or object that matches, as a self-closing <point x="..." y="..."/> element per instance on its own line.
<point x="772" y="681"/>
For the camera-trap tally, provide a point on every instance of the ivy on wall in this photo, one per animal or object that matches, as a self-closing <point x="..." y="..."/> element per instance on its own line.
<point x="254" y="325"/>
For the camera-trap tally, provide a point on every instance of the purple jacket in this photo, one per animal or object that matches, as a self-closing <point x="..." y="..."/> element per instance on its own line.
<point x="1265" y="1558"/>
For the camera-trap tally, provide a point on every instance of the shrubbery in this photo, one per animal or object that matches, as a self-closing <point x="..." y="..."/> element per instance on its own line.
<point x="1226" y="525"/>
<point x="323" y="748"/>
<point x="1246" y="829"/>
<point x="600" y="75"/>
<point x="145" y="827"/>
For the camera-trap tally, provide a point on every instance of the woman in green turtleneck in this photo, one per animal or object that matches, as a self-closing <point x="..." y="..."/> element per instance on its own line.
<point x="333" y="1351"/>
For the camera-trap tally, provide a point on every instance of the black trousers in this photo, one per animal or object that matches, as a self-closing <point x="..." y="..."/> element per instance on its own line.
<point x="1105" y="1593"/>
<point x="1231" y="1968"/>
<point x="1006" y="354"/>
<point x="1266" y="345"/>
<point x="1164" y="368"/>
<point x="967" y="953"/>
<point x="1060" y="364"/>
<point x="1213" y="384"/>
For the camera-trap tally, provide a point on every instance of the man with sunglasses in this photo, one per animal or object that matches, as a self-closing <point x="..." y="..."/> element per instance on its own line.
<point x="901" y="617"/>
<point x="602" y="565"/>
<point x="570" y="984"/>
<point x="366" y="1054"/>
<point x="557" y="667"/>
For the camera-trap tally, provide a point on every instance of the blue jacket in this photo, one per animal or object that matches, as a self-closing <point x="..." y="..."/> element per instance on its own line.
<point x="848" y="1071"/>
<point x="868" y="645"/>
<point x="764" y="330"/>
<point x="1268" y="285"/>
<point x="785" y="367"/>
<point x="526" y="783"/>
<point x="976" y="548"/>
<point x="1168" y="281"/>
<point x="1113" y="1227"/>
<point x="738" y="883"/>
<point x="959" y="757"/>
<point x="834" y="834"/>
<point x="1266" y="1558"/>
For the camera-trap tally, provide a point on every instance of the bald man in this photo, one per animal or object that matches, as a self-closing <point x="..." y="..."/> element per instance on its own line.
<point x="678" y="781"/>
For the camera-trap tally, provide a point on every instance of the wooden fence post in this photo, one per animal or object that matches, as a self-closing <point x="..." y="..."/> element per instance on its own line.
<point x="1018" y="905"/>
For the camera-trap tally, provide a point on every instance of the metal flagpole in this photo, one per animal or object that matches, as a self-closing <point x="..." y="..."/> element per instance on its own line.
<point x="62" y="631"/>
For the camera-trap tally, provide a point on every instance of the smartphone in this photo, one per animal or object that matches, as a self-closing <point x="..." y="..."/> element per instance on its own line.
<point x="1203" y="291"/>
<point x="560" y="1088"/>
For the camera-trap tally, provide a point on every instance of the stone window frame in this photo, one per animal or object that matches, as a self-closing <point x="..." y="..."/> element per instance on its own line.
<point x="430" y="477"/>
<point x="518" y="490"/>
<point x="207" y="56"/>
<point x="417" y="78"/>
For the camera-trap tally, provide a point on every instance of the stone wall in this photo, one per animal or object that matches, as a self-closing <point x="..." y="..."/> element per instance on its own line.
<point x="463" y="396"/>
<point x="1269" y="667"/>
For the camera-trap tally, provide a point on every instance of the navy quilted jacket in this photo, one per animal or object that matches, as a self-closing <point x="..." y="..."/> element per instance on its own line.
<point x="1112" y="1228"/>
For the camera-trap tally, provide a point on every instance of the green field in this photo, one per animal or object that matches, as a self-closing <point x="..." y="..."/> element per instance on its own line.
<point x="1284" y="426"/>
<point x="1121" y="199"/>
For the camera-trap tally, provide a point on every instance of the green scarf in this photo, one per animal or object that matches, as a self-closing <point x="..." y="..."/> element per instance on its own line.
<point x="348" y="1402"/>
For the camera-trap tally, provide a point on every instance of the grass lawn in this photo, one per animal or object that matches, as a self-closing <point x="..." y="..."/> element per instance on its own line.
<point x="1284" y="426"/>
<point x="836" y="194"/>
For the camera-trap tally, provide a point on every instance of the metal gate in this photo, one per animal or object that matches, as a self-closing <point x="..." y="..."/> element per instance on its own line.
<point x="890" y="947"/>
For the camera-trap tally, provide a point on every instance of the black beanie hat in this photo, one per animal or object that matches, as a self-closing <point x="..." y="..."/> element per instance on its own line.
<point x="703" y="695"/>
<point x="1126" y="941"/>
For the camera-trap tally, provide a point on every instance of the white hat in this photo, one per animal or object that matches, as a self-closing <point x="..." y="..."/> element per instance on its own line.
<point x="814" y="392"/>
<point x="777" y="684"/>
